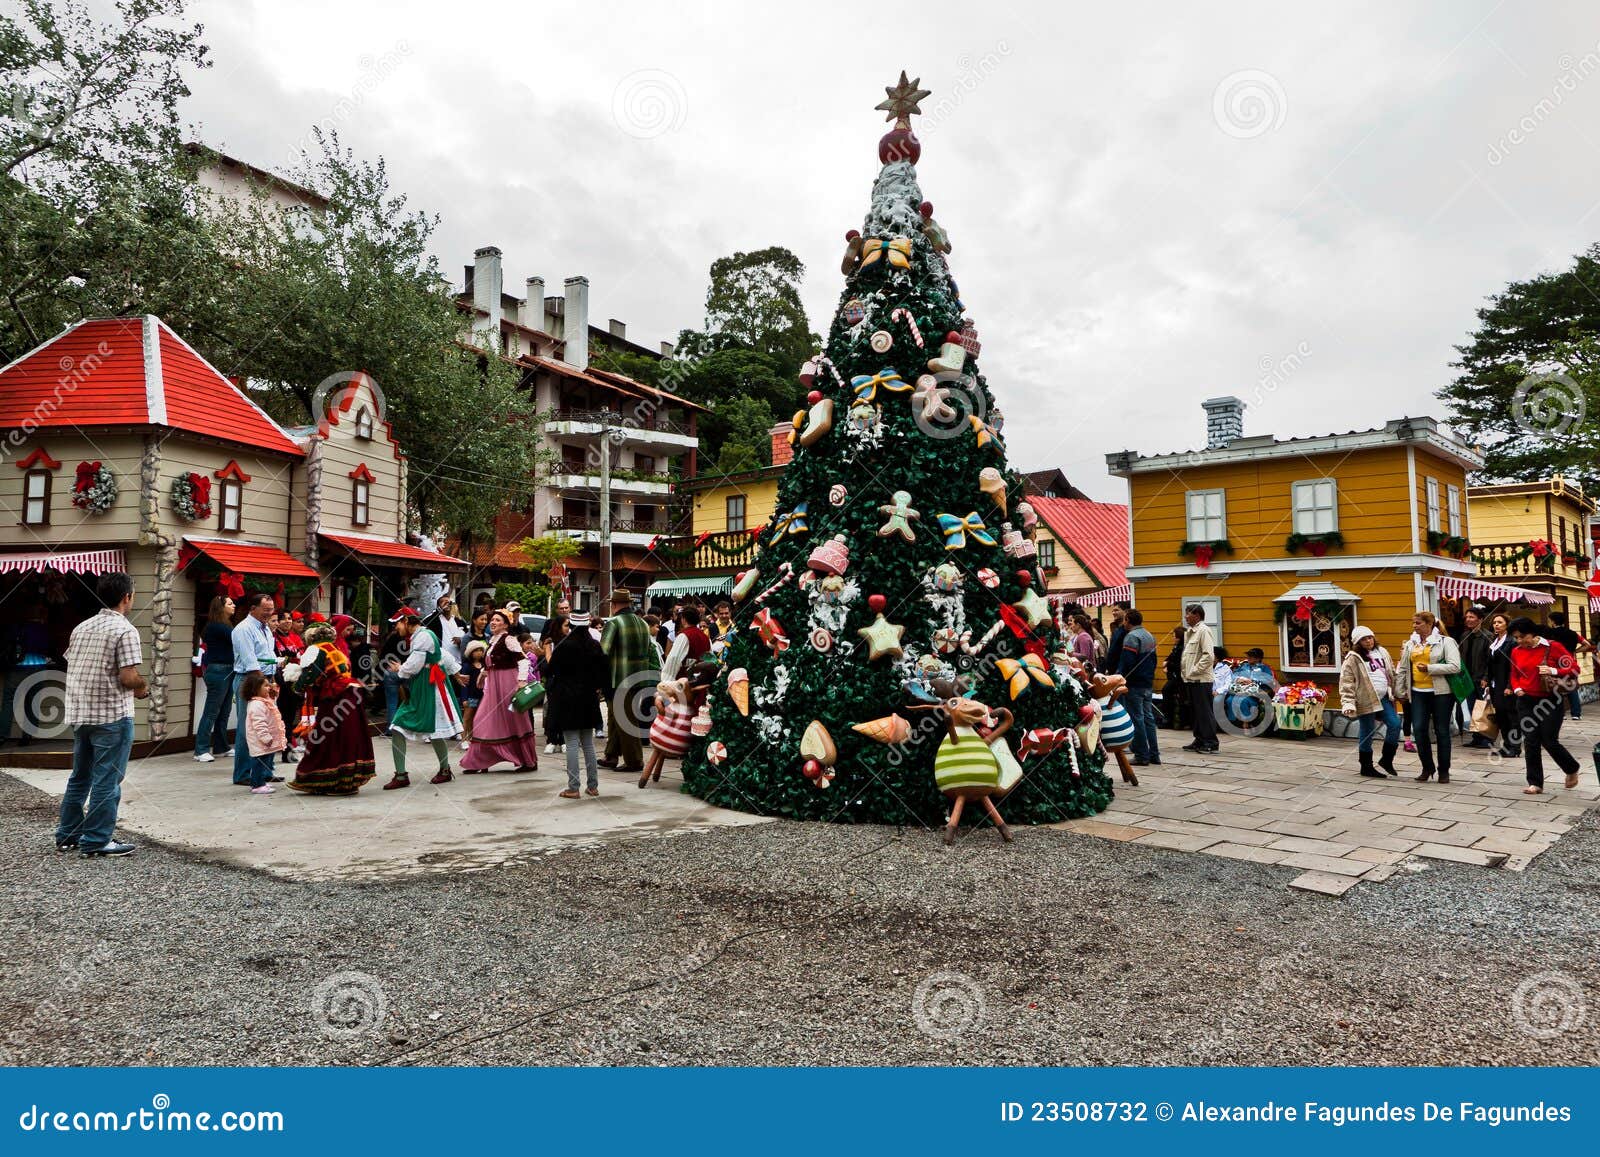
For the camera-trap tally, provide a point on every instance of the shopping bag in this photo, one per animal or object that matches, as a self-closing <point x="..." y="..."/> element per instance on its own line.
<point x="1483" y="720"/>
<point x="1462" y="685"/>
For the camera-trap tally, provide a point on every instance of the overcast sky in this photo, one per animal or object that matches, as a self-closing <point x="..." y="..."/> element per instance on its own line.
<point x="1149" y="204"/>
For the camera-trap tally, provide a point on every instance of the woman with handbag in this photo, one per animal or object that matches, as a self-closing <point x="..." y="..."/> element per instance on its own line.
<point x="1501" y="645"/>
<point x="1542" y="673"/>
<point x="500" y="732"/>
<point x="1428" y="663"/>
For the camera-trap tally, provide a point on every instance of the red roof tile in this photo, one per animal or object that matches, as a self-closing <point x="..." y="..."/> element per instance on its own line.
<point x="95" y="373"/>
<point x="1095" y="532"/>
<point x="251" y="558"/>
<point x="394" y="553"/>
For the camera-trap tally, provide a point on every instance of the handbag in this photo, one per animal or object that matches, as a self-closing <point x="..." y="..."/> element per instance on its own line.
<point x="527" y="697"/>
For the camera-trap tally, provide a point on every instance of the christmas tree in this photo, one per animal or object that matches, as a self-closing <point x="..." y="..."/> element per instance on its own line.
<point x="899" y="572"/>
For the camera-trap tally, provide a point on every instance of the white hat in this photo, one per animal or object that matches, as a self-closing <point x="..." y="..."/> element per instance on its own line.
<point x="1358" y="634"/>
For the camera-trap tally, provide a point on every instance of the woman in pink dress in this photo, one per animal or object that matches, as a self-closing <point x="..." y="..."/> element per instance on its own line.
<point x="500" y="734"/>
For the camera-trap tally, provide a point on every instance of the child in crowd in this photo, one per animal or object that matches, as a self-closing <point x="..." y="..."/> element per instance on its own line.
<point x="264" y="731"/>
<point x="470" y="680"/>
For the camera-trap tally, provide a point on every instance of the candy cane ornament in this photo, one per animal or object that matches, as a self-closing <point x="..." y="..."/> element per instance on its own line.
<point x="786" y="573"/>
<point x="904" y="314"/>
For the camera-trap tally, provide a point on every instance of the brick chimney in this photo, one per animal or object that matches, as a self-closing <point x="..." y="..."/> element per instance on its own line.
<point x="1224" y="421"/>
<point x="533" y="304"/>
<point x="575" y="323"/>
<point x="486" y="289"/>
<point x="782" y="452"/>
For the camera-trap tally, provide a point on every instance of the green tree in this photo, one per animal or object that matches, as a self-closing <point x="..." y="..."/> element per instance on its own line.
<point x="745" y="444"/>
<point x="942" y="574"/>
<point x="1528" y="386"/>
<point x="753" y="302"/>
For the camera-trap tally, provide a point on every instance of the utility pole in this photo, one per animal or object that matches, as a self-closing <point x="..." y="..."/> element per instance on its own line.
<point x="606" y="418"/>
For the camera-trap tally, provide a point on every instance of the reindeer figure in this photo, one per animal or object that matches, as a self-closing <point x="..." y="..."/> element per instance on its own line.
<point x="966" y="766"/>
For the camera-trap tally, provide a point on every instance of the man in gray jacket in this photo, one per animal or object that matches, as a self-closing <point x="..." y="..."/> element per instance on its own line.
<point x="1199" y="658"/>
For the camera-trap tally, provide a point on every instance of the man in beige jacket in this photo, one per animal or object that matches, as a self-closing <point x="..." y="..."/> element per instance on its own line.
<point x="1199" y="657"/>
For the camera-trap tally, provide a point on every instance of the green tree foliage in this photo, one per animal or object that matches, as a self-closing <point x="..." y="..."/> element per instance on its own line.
<point x="1529" y="381"/>
<point x="746" y="444"/>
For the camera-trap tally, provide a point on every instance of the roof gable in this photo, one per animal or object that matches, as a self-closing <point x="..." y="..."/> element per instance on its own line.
<point x="1095" y="532"/>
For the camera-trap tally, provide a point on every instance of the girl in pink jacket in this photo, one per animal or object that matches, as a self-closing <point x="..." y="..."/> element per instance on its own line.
<point x="263" y="730"/>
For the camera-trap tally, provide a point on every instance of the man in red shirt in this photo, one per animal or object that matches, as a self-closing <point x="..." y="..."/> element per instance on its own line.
<point x="1542" y="671"/>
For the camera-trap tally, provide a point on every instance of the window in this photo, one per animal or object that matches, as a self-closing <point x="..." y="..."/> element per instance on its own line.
<point x="36" y="498"/>
<point x="1317" y="644"/>
<point x="1213" y="609"/>
<point x="736" y="512"/>
<point x="1453" y="505"/>
<point x="1433" y="503"/>
<point x="644" y="463"/>
<point x="364" y="423"/>
<point x="1207" y="516"/>
<point x="1316" y="506"/>
<point x="230" y="504"/>
<point x="1047" y="553"/>
<point x="360" y="501"/>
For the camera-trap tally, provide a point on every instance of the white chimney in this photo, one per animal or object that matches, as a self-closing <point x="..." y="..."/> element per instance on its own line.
<point x="486" y="290"/>
<point x="533" y="306"/>
<point x="1224" y="421"/>
<point x="619" y="329"/>
<point x="667" y="349"/>
<point x="575" y="323"/>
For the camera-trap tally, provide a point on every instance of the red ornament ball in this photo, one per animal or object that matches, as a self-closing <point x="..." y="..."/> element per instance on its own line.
<point x="877" y="603"/>
<point x="814" y="397"/>
<point x="811" y="769"/>
<point x="1086" y="712"/>
<point x="1025" y="579"/>
<point x="852" y="235"/>
<point x="899" y="145"/>
<point x="926" y="209"/>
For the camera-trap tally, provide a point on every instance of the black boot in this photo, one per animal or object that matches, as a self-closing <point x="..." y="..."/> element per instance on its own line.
<point x="1366" y="766"/>
<point x="1386" y="761"/>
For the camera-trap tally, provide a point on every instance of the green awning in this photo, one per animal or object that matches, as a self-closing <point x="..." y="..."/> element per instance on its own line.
<point x="710" y="585"/>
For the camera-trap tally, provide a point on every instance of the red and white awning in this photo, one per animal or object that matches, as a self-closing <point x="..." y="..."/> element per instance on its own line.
<point x="1104" y="598"/>
<point x="1594" y="604"/>
<point x="1463" y="588"/>
<point x="66" y="561"/>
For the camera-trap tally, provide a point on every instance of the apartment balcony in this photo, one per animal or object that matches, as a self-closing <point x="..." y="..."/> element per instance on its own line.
<point x="651" y="432"/>
<point x="624" y="531"/>
<point x="1512" y="560"/>
<point x="624" y="483"/>
<point x="689" y="555"/>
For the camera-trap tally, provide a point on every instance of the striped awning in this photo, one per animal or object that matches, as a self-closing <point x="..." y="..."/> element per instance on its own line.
<point x="1450" y="586"/>
<point x="1104" y="598"/>
<point x="710" y="585"/>
<point x="66" y="561"/>
<point x="1594" y="604"/>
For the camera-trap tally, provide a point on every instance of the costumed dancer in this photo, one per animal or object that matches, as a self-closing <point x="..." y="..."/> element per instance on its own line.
<point x="429" y="711"/>
<point x="501" y="733"/>
<point x="333" y="720"/>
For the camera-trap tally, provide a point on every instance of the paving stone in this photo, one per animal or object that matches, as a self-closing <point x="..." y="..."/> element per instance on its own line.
<point x="1106" y="831"/>
<point x="1420" y="821"/>
<point x="1512" y="846"/>
<point x="1335" y="864"/>
<point x="1324" y="883"/>
<point x="1525" y="823"/>
<point x="1245" y="852"/>
<point x="1376" y="855"/>
<point x="1460" y="855"/>
<point x="1315" y="847"/>
<point x="1380" y="872"/>
<point x="1294" y="828"/>
<point x="1378" y="839"/>
<point x="1177" y="841"/>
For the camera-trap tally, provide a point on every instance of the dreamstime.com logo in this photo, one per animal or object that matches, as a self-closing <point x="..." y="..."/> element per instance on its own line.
<point x="633" y="704"/>
<point x="1545" y="404"/>
<point x="947" y="408"/>
<point x="649" y="103"/>
<point x="41" y="118"/>
<point x="160" y="1117"/>
<point x="1548" y="1004"/>
<point x="948" y="1004"/>
<point x="1249" y="103"/>
<point x="349" y="1005"/>
<point x="39" y="704"/>
<point x="340" y="393"/>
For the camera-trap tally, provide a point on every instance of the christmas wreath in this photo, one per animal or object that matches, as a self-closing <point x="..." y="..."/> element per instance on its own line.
<point x="1315" y="544"/>
<point x="1204" y="551"/>
<point x="95" y="488"/>
<point x="191" y="497"/>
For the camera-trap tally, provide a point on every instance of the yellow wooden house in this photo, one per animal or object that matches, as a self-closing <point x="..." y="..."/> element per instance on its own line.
<point x="1288" y="544"/>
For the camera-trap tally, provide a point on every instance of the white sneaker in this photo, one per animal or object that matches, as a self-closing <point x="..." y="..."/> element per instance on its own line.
<point x="549" y="749"/>
<point x="264" y="789"/>
<point x="205" y="757"/>
<point x="466" y="743"/>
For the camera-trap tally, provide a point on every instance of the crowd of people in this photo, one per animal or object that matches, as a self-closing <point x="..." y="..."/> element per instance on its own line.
<point x="298" y="690"/>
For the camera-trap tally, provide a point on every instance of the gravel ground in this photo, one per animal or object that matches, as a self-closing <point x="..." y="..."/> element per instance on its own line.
<point x="795" y="944"/>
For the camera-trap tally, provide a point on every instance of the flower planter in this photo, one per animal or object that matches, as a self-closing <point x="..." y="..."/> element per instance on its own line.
<point x="1299" y="721"/>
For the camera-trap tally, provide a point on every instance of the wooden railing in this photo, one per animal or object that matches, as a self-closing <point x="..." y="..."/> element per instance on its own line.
<point x="727" y="550"/>
<point x="1500" y="560"/>
<point x="647" y="420"/>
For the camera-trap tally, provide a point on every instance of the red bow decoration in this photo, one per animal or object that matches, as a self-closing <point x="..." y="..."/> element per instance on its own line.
<point x="230" y="584"/>
<point x="1317" y="547"/>
<point x="1303" y="606"/>
<point x="1202" y="555"/>
<point x="1042" y="740"/>
<point x="85" y="476"/>
<point x="1020" y="628"/>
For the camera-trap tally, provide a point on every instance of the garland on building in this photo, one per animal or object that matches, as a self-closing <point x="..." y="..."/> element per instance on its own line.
<point x="191" y="497"/>
<point x="95" y="488"/>
<point x="1203" y="551"/>
<point x="1315" y="544"/>
<point x="1542" y="551"/>
<point x="735" y="549"/>
<point x="1454" y="545"/>
<point x="1305" y="608"/>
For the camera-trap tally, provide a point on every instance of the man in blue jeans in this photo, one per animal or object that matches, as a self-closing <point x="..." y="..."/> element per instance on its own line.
<point x="103" y="680"/>
<point x="1138" y="666"/>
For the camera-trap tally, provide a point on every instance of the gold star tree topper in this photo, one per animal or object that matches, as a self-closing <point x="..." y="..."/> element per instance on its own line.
<point x="903" y="100"/>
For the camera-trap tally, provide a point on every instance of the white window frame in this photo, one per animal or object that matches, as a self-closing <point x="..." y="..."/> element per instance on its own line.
<point x="233" y="489"/>
<point x="1452" y="496"/>
<point x="1047" y="552"/>
<point x="1432" y="487"/>
<point x="360" y="502"/>
<point x="744" y="511"/>
<point x="41" y="500"/>
<point x="364" y="424"/>
<point x="1213" y="608"/>
<point x="1304" y="500"/>
<point x="1205" y="519"/>
<point x="1338" y="646"/>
